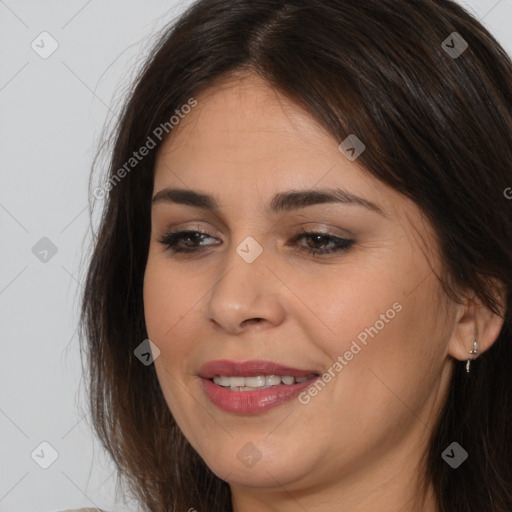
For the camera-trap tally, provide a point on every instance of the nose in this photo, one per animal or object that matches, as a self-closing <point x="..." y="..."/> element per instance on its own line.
<point x="246" y="296"/>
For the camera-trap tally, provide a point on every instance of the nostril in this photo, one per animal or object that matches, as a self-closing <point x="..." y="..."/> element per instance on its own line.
<point x="250" y="320"/>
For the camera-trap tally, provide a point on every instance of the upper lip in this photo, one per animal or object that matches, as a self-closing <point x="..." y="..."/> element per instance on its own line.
<point x="225" y="367"/>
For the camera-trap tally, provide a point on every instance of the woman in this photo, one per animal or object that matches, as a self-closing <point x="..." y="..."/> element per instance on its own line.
<point x="306" y="214"/>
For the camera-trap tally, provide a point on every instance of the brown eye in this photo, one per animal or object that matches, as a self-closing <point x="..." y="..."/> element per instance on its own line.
<point x="317" y="242"/>
<point x="190" y="240"/>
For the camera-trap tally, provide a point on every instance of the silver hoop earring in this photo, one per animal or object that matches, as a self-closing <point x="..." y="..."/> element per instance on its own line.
<point x="472" y="352"/>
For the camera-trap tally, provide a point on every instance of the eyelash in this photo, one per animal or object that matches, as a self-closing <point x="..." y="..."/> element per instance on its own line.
<point x="341" y="244"/>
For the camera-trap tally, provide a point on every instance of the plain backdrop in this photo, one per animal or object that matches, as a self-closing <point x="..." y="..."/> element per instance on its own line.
<point x="53" y="107"/>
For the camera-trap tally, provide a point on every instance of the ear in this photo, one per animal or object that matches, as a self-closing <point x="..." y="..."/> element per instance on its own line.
<point x="473" y="321"/>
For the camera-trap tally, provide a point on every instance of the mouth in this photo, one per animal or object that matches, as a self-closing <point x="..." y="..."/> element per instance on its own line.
<point x="256" y="382"/>
<point x="252" y="387"/>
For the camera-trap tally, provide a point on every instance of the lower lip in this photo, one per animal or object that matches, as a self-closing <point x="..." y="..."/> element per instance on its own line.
<point x="253" y="402"/>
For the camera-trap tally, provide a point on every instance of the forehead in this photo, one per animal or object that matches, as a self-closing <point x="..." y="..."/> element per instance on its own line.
<point x="245" y="132"/>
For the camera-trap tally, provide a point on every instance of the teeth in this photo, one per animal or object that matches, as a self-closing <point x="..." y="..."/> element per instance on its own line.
<point x="272" y="380"/>
<point x="256" y="382"/>
<point x="236" y="381"/>
<point x="222" y="381"/>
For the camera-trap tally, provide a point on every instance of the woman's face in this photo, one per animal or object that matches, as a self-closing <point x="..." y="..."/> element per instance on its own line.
<point x="369" y="316"/>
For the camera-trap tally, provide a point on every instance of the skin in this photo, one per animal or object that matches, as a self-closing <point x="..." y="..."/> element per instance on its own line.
<point x="358" y="443"/>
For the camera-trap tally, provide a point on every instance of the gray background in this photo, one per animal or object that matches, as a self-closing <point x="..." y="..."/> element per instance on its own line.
<point x="53" y="111"/>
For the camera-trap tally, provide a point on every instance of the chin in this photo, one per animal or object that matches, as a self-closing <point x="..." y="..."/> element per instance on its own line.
<point x="259" y="465"/>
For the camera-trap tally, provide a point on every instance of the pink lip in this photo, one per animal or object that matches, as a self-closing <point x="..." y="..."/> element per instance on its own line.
<point x="249" y="369"/>
<point x="251" y="402"/>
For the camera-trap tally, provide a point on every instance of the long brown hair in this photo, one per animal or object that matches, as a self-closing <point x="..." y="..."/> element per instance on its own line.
<point x="437" y="127"/>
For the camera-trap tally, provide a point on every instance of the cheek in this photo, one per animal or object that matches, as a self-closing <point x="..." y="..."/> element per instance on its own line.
<point x="384" y="295"/>
<point x="356" y="304"/>
<point x="172" y="309"/>
<point x="167" y="301"/>
<point x="164" y="306"/>
<point x="382" y="332"/>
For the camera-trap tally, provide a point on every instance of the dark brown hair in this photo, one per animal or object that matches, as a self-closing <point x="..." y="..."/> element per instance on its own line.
<point x="437" y="128"/>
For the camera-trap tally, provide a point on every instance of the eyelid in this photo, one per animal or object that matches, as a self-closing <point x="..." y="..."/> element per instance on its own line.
<point x="191" y="227"/>
<point x="283" y="230"/>
<point x="327" y="229"/>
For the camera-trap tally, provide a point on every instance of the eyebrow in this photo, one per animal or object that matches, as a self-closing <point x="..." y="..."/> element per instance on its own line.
<point x="284" y="201"/>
